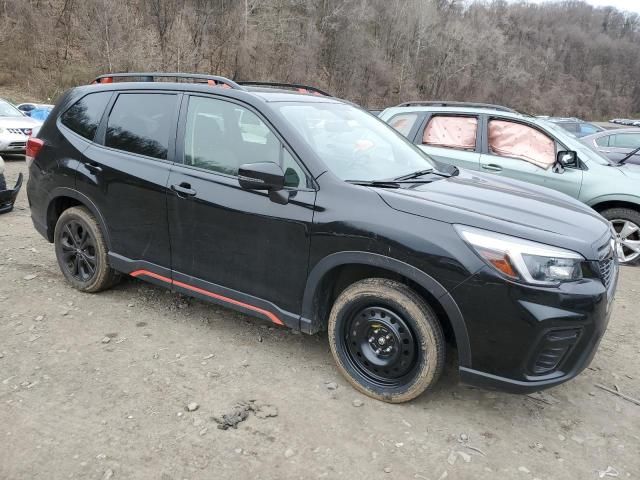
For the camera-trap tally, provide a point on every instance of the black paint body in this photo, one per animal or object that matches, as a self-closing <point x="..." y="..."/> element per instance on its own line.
<point x="215" y="240"/>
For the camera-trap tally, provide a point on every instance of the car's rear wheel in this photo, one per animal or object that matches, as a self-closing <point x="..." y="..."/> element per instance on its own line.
<point x="82" y="252"/>
<point x="386" y="340"/>
<point x="626" y="223"/>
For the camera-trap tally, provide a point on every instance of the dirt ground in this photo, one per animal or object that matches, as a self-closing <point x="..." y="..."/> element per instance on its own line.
<point x="97" y="387"/>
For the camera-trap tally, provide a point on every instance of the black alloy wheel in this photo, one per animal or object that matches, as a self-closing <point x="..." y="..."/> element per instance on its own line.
<point x="78" y="250"/>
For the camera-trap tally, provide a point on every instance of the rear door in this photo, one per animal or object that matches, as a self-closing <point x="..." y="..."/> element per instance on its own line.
<point x="238" y="246"/>
<point x="449" y="138"/>
<point x="522" y="151"/>
<point x="125" y="173"/>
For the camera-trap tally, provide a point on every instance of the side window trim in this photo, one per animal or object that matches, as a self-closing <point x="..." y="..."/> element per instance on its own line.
<point x="102" y="128"/>
<point x="181" y="132"/>
<point x="417" y="140"/>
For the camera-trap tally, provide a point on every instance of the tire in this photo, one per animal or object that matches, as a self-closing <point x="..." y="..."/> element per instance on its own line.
<point x="620" y="217"/>
<point x="371" y="309"/>
<point x="79" y="244"/>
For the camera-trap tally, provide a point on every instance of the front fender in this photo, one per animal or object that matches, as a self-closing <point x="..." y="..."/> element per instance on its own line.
<point x="616" y="197"/>
<point x="309" y="323"/>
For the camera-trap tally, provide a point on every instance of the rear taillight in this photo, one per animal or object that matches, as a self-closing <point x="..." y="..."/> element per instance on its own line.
<point x="34" y="145"/>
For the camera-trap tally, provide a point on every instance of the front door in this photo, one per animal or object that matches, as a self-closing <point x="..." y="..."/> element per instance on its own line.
<point x="518" y="150"/>
<point x="234" y="245"/>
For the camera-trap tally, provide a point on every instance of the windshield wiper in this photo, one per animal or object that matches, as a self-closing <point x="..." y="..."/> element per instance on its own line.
<point x="621" y="162"/>
<point x="411" y="175"/>
<point x="375" y="183"/>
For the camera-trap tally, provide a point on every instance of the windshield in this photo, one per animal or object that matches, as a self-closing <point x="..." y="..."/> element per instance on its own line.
<point x="354" y="144"/>
<point x="8" y="110"/>
<point x="572" y="143"/>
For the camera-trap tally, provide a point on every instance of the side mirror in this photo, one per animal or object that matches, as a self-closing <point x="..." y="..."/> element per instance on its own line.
<point x="567" y="159"/>
<point x="261" y="176"/>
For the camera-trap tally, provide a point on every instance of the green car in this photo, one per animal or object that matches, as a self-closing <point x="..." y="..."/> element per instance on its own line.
<point x="501" y="141"/>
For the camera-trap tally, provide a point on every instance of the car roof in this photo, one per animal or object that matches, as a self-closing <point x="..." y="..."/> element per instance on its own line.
<point x="471" y="110"/>
<point x="266" y="94"/>
<point x="613" y="131"/>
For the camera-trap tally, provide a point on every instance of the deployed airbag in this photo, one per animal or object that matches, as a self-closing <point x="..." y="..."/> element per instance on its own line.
<point x="510" y="139"/>
<point x="451" y="132"/>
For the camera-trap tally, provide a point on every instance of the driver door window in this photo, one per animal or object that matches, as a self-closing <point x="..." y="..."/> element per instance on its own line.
<point x="220" y="136"/>
<point x="525" y="153"/>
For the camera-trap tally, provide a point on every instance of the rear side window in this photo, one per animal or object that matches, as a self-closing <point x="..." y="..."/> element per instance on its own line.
<point x="83" y="117"/>
<point x="625" y="140"/>
<point x="511" y="139"/>
<point x="142" y="123"/>
<point x="404" y="122"/>
<point x="603" y="141"/>
<point x="451" y="132"/>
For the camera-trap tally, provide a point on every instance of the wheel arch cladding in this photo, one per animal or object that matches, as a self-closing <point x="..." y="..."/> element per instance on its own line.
<point x="63" y="198"/>
<point x="336" y="271"/>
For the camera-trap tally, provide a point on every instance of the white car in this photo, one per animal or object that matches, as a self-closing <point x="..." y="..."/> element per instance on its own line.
<point x="15" y="128"/>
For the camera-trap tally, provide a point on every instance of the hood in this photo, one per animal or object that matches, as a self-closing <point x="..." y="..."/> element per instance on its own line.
<point x="18" y="122"/>
<point x="506" y="206"/>
<point x="631" y="170"/>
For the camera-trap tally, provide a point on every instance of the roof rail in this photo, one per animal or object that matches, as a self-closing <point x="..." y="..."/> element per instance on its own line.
<point x="296" y="86"/>
<point x="457" y="104"/>
<point x="212" y="80"/>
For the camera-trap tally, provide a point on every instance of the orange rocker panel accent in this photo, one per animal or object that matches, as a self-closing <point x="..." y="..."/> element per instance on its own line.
<point x="266" y="313"/>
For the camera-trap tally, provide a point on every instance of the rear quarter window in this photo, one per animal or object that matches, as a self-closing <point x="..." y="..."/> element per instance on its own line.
<point x="83" y="117"/>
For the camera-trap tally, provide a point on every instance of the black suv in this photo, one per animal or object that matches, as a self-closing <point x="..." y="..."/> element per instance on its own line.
<point x="312" y="213"/>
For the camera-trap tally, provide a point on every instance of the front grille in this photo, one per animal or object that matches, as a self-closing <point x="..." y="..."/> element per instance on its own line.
<point x="554" y="348"/>
<point x="607" y="262"/>
<point x="20" y="131"/>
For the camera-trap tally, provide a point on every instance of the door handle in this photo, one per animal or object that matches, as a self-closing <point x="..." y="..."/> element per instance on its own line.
<point x="93" y="167"/>
<point x="183" y="190"/>
<point x="491" y="167"/>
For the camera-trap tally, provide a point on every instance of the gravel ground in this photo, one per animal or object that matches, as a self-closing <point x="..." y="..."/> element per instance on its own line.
<point x="134" y="383"/>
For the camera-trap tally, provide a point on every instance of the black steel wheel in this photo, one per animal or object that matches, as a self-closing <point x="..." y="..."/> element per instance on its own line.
<point x="381" y="345"/>
<point x="386" y="340"/>
<point x="82" y="252"/>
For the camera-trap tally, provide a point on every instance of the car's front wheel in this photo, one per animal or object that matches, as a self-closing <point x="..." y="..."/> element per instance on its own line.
<point x="626" y="223"/>
<point x="386" y="340"/>
<point x="82" y="252"/>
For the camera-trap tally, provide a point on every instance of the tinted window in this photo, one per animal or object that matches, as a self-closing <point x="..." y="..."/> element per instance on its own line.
<point x="220" y="136"/>
<point x="84" y="116"/>
<point x="404" y="122"/>
<point x="142" y="123"/>
<point x="625" y="140"/>
<point x="451" y="132"/>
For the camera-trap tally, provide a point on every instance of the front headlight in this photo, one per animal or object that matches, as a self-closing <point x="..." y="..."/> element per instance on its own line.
<point x="523" y="260"/>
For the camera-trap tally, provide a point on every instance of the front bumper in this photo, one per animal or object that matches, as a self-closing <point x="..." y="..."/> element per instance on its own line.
<point x="524" y="338"/>
<point x="13" y="143"/>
